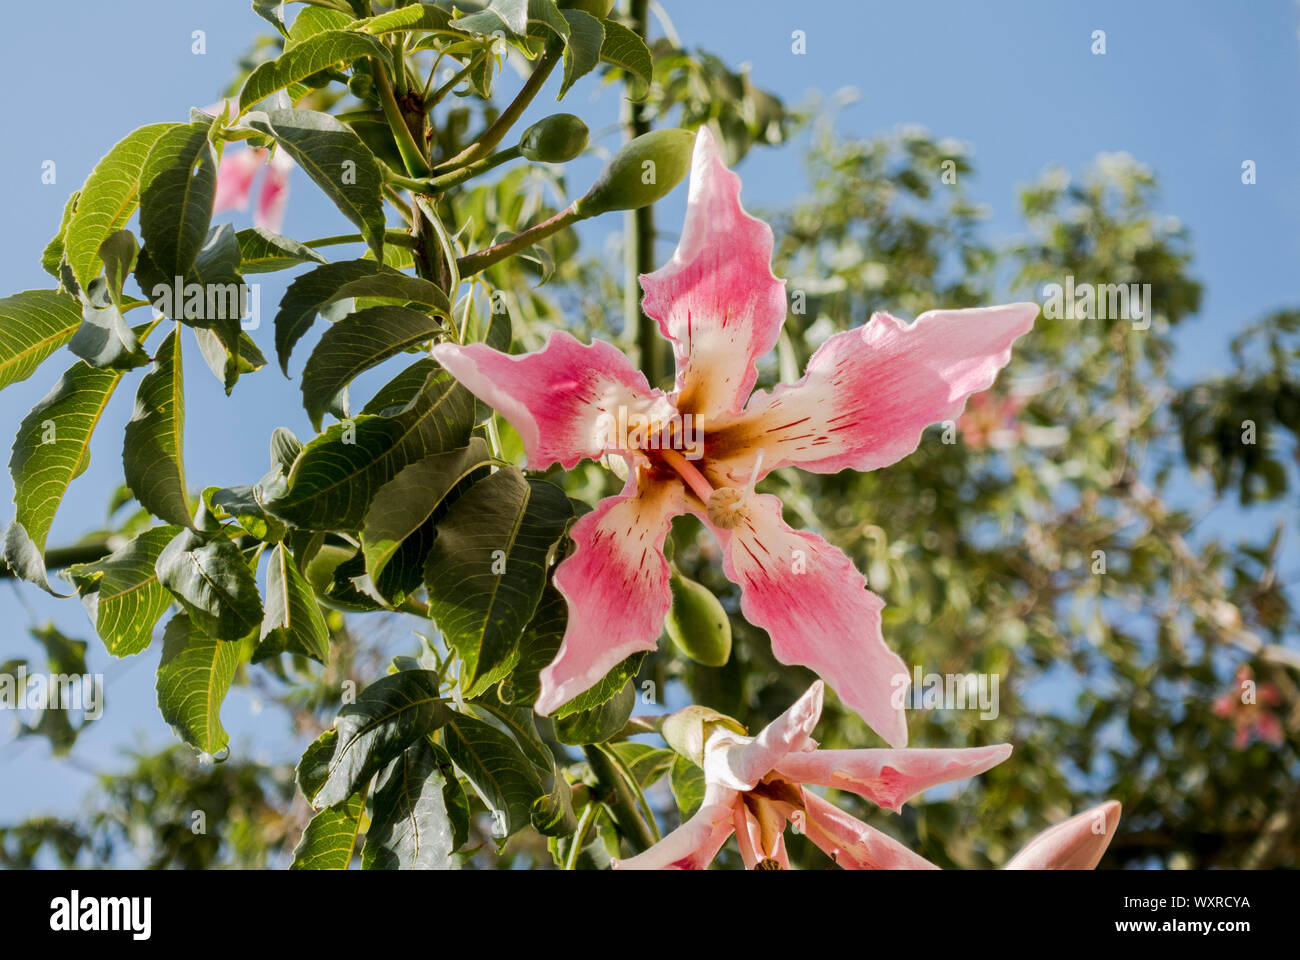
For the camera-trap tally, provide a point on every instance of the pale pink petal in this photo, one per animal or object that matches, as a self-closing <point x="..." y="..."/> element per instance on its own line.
<point x="275" y="193"/>
<point x="716" y="299"/>
<point x="235" y="176"/>
<point x="559" y="398"/>
<point x="741" y="766"/>
<point x="694" y="844"/>
<point x="616" y="585"/>
<point x="870" y="392"/>
<point x="889" y="778"/>
<point x="854" y="845"/>
<point x="814" y="605"/>
<point x="1074" y="844"/>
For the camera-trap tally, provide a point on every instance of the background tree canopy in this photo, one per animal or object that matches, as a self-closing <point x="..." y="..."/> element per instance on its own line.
<point x="1048" y="539"/>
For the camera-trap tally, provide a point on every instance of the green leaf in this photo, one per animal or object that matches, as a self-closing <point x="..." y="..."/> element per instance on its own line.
<point x="52" y="255"/>
<point x="545" y="15"/>
<point x="179" y="183"/>
<point x="153" y="458"/>
<point x="33" y="324"/>
<point x="413" y="17"/>
<point x="51" y="449"/>
<point x="400" y="287"/>
<point x="510" y="14"/>
<point x="356" y="343"/>
<point x="330" y="836"/>
<point x="340" y="471"/>
<point x="406" y="502"/>
<point x="539" y="644"/>
<point x="309" y="292"/>
<point x="122" y="594"/>
<point x="645" y="762"/>
<point x="410" y="827"/>
<point x="602" y="692"/>
<point x="225" y="365"/>
<point x="498" y="771"/>
<point x="108" y="199"/>
<point x="193" y="678"/>
<point x="388" y="716"/>
<point x="317" y="19"/>
<point x="214" y="584"/>
<point x="292" y="622"/>
<point x="599" y="723"/>
<point x="263" y="251"/>
<point x="625" y="49"/>
<point x="310" y="56"/>
<point x="488" y="566"/>
<point x="336" y="159"/>
<point x="272" y="11"/>
<point x="687" y="782"/>
<point x="402" y="389"/>
<point x="582" y="52"/>
<point x="242" y="505"/>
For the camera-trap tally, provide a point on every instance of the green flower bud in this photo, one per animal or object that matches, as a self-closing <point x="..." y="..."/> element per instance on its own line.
<point x="597" y="8"/>
<point x="555" y="139"/>
<point x="697" y="623"/>
<point x="643" y="171"/>
<point x="688" y="730"/>
<point x="361" y="86"/>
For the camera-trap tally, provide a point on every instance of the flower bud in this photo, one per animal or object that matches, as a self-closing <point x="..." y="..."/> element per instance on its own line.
<point x="554" y="139"/>
<point x="642" y="172"/>
<point x="688" y="730"/>
<point x="597" y="8"/>
<point x="697" y="623"/>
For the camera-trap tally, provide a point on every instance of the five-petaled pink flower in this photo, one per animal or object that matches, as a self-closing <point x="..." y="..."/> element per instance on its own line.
<point x="755" y="786"/>
<point x="1251" y="709"/>
<point x="235" y="182"/>
<point x="866" y="397"/>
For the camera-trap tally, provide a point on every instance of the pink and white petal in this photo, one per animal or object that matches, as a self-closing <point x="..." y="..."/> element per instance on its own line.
<point x="716" y="299"/>
<point x="1074" y="844"/>
<point x="616" y="585"/>
<point x="274" y="195"/>
<point x="852" y="844"/>
<point x="816" y="609"/>
<point x="869" y="393"/>
<point x="889" y="778"/>
<point x="559" y="398"/>
<point x="235" y="176"/>
<point x="694" y="844"/>
<point x="742" y="765"/>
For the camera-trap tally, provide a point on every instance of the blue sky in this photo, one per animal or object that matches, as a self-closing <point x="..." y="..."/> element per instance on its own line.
<point x="1191" y="89"/>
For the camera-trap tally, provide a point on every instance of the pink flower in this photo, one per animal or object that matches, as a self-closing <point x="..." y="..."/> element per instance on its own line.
<point x="863" y="403"/>
<point x="235" y="181"/>
<point x="1250" y="707"/>
<point x="1074" y="844"/>
<point x="754" y="786"/>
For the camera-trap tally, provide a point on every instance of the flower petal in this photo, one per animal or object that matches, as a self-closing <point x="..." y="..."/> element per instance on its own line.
<point x="869" y="393"/>
<point x="616" y="585"/>
<point x="694" y="844"/>
<point x="716" y="299"/>
<point x="743" y="764"/>
<point x="235" y="176"/>
<point x="854" y="845"/>
<point x="554" y="397"/>
<point x="1074" y="844"/>
<point x="274" y="194"/>
<point x="889" y="778"/>
<point x="815" y="607"/>
<point x="749" y="837"/>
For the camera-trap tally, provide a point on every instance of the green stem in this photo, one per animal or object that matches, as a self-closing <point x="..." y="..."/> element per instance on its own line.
<point x="412" y="155"/>
<point x="644" y="805"/>
<point x="489" y="138"/>
<point x="481" y="260"/>
<point x="580" y="835"/>
<point x="471" y="170"/>
<point x="436" y="97"/>
<point x="619" y="799"/>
